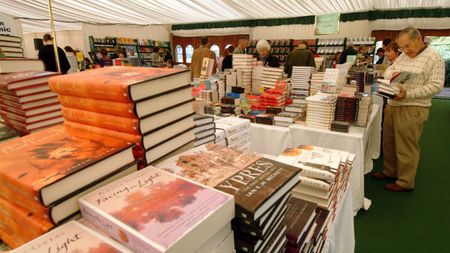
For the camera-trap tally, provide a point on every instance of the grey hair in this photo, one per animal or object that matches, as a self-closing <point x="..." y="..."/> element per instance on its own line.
<point x="263" y="44"/>
<point x="412" y="32"/>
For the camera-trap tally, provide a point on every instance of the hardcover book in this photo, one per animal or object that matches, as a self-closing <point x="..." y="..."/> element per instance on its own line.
<point x="48" y="165"/>
<point x="23" y="79"/>
<point x="155" y="211"/>
<point x="300" y="214"/>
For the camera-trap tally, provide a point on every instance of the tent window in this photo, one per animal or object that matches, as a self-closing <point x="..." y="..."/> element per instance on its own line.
<point x="215" y="49"/>
<point x="189" y="52"/>
<point x="179" y="53"/>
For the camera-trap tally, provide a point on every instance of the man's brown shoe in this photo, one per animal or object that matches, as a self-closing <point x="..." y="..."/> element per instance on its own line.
<point x="381" y="176"/>
<point x="396" y="188"/>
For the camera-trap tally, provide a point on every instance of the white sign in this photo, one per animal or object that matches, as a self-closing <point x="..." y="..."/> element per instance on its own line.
<point x="7" y="25"/>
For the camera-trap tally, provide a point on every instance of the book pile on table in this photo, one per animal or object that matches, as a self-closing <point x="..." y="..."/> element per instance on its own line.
<point x="316" y="82"/>
<point x="270" y="77"/>
<point x="300" y="82"/>
<point x="204" y="129"/>
<point x="148" y="106"/>
<point x="285" y="118"/>
<point x="260" y="187"/>
<point x="161" y="212"/>
<point x="320" y="110"/>
<point x="276" y="96"/>
<point x="359" y="77"/>
<point x="244" y="65"/>
<point x="26" y="102"/>
<point x="334" y="80"/>
<point x="346" y="109"/>
<point x="324" y="175"/>
<point x="364" y="110"/>
<point x="11" y="46"/>
<point x="44" y="174"/>
<point x="233" y="132"/>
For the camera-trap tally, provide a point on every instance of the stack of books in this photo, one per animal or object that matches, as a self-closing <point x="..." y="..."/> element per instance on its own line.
<point x="324" y="175"/>
<point x="300" y="216"/>
<point x="204" y="129"/>
<point x="270" y="76"/>
<point x="316" y="82"/>
<point x="11" y="46"/>
<point x="148" y="106"/>
<point x="274" y="96"/>
<point x="265" y="118"/>
<point x="44" y="174"/>
<point x="244" y="65"/>
<point x="298" y="107"/>
<point x="340" y="126"/>
<point x="300" y="82"/>
<point x="26" y="102"/>
<point x="285" y="119"/>
<point x="364" y="110"/>
<point x="260" y="187"/>
<point x="234" y="133"/>
<point x="11" y="65"/>
<point x="153" y="210"/>
<point x="320" y="110"/>
<point x="334" y="80"/>
<point x="386" y="89"/>
<point x="359" y="77"/>
<point x="346" y="109"/>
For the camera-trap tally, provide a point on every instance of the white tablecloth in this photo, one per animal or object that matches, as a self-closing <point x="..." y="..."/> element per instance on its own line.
<point x="272" y="140"/>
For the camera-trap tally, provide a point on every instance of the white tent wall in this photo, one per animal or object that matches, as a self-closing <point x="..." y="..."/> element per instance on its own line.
<point x="420" y="23"/>
<point x="74" y="39"/>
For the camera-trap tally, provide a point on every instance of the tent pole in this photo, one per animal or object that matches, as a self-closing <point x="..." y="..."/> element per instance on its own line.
<point x="52" y="27"/>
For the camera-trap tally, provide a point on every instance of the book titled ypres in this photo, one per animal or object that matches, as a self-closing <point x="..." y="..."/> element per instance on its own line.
<point x="155" y="211"/>
<point x="48" y="165"/>
<point x="72" y="237"/>
<point x="120" y="84"/>
<point x="257" y="183"/>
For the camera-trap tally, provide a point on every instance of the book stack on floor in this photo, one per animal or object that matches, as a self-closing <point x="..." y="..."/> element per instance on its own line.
<point x="320" y="110"/>
<point x="324" y="176"/>
<point x="260" y="187"/>
<point x="244" y="65"/>
<point x="300" y="82"/>
<point x="270" y="77"/>
<point x="204" y="129"/>
<point x="11" y="46"/>
<point x="26" y="102"/>
<point x="44" y="174"/>
<point x="316" y="83"/>
<point x="148" y="106"/>
<point x="153" y="210"/>
<point x="233" y="132"/>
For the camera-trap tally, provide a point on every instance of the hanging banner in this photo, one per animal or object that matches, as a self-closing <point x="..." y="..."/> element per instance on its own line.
<point x="327" y="24"/>
<point x="7" y="25"/>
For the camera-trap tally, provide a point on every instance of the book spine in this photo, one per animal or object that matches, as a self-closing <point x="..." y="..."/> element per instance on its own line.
<point x="101" y="120"/>
<point x="10" y="104"/>
<point x="86" y="89"/>
<point x="109" y="227"/>
<point x="9" y="98"/>
<point x="22" y="199"/>
<point x="97" y="130"/>
<point x="315" y="183"/>
<point x="317" y="173"/>
<point x="8" y="115"/>
<point x="101" y="106"/>
<point x="11" y="109"/>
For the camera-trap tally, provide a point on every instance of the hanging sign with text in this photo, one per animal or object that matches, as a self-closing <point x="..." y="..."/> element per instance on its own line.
<point x="327" y="24"/>
<point x="7" y="25"/>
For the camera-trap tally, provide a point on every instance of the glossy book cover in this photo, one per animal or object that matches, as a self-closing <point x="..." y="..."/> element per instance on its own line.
<point x="155" y="211"/>
<point x="35" y="161"/>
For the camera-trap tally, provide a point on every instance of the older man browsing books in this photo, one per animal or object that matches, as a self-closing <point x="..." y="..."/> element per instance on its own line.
<point x="407" y="111"/>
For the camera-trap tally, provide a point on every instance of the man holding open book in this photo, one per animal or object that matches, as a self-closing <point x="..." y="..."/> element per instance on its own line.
<point x="408" y="110"/>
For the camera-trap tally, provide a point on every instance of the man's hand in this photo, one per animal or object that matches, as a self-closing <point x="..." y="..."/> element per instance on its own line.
<point x="402" y="94"/>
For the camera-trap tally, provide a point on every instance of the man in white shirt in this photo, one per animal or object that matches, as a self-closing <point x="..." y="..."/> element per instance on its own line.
<point x="405" y="115"/>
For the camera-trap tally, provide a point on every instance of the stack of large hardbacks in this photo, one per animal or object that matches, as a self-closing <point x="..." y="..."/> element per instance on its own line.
<point x="260" y="187"/>
<point x="300" y="79"/>
<point x="11" y="65"/>
<point x="316" y="83"/>
<point x="153" y="210"/>
<point x="44" y="174"/>
<point x="273" y="97"/>
<point x="346" y="109"/>
<point x="205" y="129"/>
<point x="234" y="133"/>
<point x="26" y="102"/>
<point x="244" y="65"/>
<point x="148" y="106"/>
<point x="270" y="76"/>
<point x="320" y="110"/>
<point x="11" y="46"/>
<point x="387" y="89"/>
<point x="324" y="176"/>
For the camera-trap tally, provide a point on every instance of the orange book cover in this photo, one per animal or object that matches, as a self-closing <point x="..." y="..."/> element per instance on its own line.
<point x="102" y="120"/>
<point x="111" y="83"/>
<point x="35" y="161"/>
<point x="14" y="196"/>
<point x="12" y="240"/>
<point x="101" y="106"/>
<point x="132" y="138"/>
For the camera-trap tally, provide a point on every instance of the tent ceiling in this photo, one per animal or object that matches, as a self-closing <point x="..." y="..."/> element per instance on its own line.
<point x="193" y="11"/>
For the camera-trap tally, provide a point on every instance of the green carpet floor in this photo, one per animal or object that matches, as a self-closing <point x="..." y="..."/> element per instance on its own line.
<point x="418" y="221"/>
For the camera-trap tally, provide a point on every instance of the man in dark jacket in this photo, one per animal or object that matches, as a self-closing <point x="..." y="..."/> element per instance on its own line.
<point x="301" y="56"/>
<point x="350" y="50"/>
<point x="47" y="55"/>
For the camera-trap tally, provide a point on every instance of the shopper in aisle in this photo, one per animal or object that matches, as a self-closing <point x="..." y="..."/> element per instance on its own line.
<point x="381" y="55"/>
<point x="405" y="114"/>
<point x="197" y="58"/>
<point x="350" y="50"/>
<point x="243" y="44"/>
<point x="386" y="42"/>
<point x="301" y="56"/>
<point x="155" y="59"/>
<point x="392" y="52"/>
<point x="71" y="57"/>
<point x="264" y="55"/>
<point x="220" y="61"/>
<point x="47" y="55"/>
<point x="228" y="60"/>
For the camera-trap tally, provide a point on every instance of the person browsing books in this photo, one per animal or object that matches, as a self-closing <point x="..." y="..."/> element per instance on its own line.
<point x="301" y="56"/>
<point x="264" y="55"/>
<point x="243" y="44"/>
<point x="405" y="115"/>
<point x="47" y="55"/>
<point x="197" y="58"/>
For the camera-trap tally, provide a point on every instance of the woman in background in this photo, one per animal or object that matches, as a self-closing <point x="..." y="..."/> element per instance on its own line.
<point x="264" y="55"/>
<point x="392" y="52"/>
